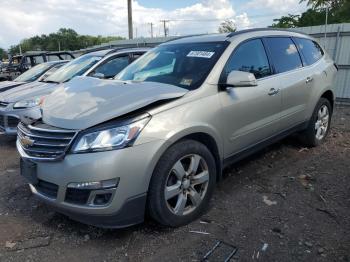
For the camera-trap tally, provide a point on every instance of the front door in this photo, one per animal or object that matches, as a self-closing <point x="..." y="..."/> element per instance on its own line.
<point x="251" y="113"/>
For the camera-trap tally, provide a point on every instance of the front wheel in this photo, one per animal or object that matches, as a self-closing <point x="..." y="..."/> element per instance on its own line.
<point x="319" y="124"/>
<point x="182" y="184"/>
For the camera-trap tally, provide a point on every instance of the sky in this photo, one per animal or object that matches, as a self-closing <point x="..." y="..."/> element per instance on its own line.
<point x="25" y="18"/>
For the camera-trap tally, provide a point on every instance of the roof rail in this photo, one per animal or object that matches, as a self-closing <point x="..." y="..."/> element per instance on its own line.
<point x="262" y="29"/>
<point x="181" y="37"/>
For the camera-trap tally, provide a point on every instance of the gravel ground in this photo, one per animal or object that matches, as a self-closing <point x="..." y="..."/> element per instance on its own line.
<point x="287" y="203"/>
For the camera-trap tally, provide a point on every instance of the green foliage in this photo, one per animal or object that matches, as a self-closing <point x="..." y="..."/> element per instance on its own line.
<point x="289" y="21"/>
<point x="227" y="26"/>
<point x="339" y="12"/>
<point x="64" y="39"/>
<point x="3" y="54"/>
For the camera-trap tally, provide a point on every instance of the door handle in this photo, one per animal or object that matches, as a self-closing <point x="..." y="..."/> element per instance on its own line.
<point x="273" y="91"/>
<point x="309" y="80"/>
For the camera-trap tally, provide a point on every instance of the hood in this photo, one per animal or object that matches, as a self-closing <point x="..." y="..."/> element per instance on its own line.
<point x="85" y="101"/>
<point x="27" y="91"/>
<point x="7" y="85"/>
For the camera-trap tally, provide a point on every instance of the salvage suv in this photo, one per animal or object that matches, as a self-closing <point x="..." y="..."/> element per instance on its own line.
<point x="156" y="139"/>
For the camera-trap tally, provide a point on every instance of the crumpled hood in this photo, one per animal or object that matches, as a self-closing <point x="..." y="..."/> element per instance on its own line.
<point x="85" y="101"/>
<point x="27" y="91"/>
<point x="7" y="85"/>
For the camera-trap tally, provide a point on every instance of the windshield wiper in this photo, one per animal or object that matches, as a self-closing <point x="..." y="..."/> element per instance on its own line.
<point x="49" y="81"/>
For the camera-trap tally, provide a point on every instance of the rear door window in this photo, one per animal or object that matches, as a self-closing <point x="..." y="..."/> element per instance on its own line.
<point x="284" y="54"/>
<point x="249" y="57"/>
<point x="311" y="51"/>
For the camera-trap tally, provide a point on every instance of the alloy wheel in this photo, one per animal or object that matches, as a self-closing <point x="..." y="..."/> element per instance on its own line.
<point x="186" y="184"/>
<point x="322" y="122"/>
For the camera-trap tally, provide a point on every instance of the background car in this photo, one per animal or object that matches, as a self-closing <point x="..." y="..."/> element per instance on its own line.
<point x="24" y="101"/>
<point x="18" y="64"/>
<point x="36" y="73"/>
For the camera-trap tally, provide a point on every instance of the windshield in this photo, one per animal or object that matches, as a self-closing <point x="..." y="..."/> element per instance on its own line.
<point x="76" y="67"/>
<point x="183" y="65"/>
<point x="34" y="73"/>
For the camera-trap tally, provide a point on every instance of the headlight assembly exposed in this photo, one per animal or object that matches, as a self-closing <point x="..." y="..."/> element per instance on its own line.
<point x="110" y="138"/>
<point x="28" y="103"/>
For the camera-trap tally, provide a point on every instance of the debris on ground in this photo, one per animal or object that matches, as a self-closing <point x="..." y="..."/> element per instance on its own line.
<point x="264" y="248"/>
<point x="28" y="243"/>
<point x="10" y="244"/>
<point x="199" y="232"/>
<point x="269" y="202"/>
<point x="221" y="251"/>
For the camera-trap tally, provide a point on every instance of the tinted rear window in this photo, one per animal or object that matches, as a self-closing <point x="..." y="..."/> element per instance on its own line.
<point x="284" y="54"/>
<point x="311" y="51"/>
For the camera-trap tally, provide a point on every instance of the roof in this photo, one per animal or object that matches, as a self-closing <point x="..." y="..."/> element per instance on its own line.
<point x="227" y="36"/>
<point x="199" y="38"/>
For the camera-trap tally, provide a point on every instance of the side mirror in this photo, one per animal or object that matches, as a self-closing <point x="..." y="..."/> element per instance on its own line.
<point x="98" y="75"/>
<point x="241" y="79"/>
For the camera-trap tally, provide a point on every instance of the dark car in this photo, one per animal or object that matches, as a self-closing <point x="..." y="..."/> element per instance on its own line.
<point x="18" y="64"/>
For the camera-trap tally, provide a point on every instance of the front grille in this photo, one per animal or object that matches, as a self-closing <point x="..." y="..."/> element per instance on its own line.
<point x="45" y="142"/>
<point x="47" y="189"/>
<point x="77" y="196"/>
<point x="12" y="121"/>
<point x="3" y="104"/>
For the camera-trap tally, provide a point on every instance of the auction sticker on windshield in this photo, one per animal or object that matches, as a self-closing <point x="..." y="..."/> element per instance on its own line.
<point x="201" y="54"/>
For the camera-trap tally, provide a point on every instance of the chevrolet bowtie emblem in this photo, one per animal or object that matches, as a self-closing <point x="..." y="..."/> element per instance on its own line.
<point x="26" y="141"/>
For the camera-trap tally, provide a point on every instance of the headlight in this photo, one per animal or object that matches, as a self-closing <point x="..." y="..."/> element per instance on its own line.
<point x="29" y="103"/>
<point x="111" y="138"/>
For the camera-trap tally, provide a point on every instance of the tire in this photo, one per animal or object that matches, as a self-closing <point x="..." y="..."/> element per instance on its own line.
<point x="166" y="181"/>
<point x="310" y="136"/>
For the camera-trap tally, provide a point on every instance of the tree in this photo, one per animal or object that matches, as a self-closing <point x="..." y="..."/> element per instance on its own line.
<point x="227" y="26"/>
<point x="338" y="12"/>
<point x="323" y="3"/>
<point x="63" y="39"/>
<point x="289" y="21"/>
<point x="3" y="54"/>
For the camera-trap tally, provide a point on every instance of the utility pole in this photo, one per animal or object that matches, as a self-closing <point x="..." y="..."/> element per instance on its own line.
<point x="130" y="19"/>
<point x="151" y="24"/>
<point x="59" y="46"/>
<point x="164" y="26"/>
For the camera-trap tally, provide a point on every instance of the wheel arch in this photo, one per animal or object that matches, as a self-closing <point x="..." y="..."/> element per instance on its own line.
<point x="211" y="144"/>
<point x="202" y="135"/>
<point x="329" y="95"/>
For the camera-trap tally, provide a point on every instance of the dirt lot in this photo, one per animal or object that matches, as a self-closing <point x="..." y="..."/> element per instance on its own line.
<point x="292" y="201"/>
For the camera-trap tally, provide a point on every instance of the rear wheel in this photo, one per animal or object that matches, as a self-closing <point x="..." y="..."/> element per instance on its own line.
<point x="319" y="124"/>
<point x="182" y="184"/>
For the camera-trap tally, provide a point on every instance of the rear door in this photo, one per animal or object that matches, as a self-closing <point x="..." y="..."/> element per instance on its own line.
<point x="251" y="113"/>
<point x="292" y="76"/>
